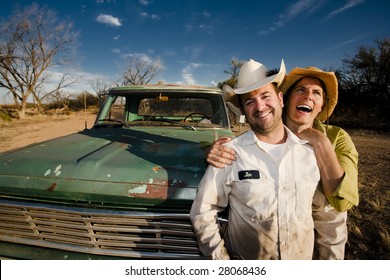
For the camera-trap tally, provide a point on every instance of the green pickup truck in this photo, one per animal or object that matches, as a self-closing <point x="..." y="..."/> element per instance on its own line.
<point x="122" y="189"/>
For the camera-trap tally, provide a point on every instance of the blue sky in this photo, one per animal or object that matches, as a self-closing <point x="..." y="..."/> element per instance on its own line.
<point x="196" y="40"/>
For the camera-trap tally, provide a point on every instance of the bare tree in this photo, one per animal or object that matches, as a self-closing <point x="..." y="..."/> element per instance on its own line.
<point x="101" y="87"/>
<point x="60" y="100"/>
<point x="40" y="95"/>
<point x="31" y="41"/>
<point x="367" y="73"/>
<point x="141" y="70"/>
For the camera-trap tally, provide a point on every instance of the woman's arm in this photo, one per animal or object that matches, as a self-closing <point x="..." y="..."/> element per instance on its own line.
<point x="338" y="162"/>
<point x="331" y="171"/>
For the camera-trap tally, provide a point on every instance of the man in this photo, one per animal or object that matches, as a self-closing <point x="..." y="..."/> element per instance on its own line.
<point x="269" y="188"/>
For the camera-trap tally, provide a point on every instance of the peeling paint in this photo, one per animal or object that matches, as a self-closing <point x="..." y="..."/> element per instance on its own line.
<point x="140" y="189"/>
<point x="58" y="168"/>
<point x="151" y="181"/>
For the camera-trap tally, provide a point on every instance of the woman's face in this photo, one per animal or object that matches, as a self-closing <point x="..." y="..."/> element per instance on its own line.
<point x="305" y="101"/>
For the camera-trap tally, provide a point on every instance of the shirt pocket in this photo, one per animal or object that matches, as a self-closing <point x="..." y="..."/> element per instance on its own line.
<point x="254" y="198"/>
<point x="304" y="191"/>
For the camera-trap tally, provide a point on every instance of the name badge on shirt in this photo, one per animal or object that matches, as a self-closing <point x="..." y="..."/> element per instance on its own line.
<point x="248" y="174"/>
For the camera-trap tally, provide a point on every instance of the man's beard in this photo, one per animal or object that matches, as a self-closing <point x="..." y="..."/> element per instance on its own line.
<point x="267" y="127"/>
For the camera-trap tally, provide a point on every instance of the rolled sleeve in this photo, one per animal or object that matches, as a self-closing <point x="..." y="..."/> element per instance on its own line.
<point x="346" y="195"/>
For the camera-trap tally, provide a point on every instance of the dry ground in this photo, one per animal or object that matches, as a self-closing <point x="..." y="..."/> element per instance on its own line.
<point x="19" y="133"/>
<point x="369" y="223"/>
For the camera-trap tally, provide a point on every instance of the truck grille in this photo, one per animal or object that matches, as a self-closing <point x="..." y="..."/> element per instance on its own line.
<point x="103" y="232"/>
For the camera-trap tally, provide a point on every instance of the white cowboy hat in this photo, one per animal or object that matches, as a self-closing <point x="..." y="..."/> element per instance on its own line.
<point x="328" y="78"/>
<point x="253" y="75"/>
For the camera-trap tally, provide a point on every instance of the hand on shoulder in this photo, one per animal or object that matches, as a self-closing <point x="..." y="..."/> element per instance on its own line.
<point x="219" y="155"/>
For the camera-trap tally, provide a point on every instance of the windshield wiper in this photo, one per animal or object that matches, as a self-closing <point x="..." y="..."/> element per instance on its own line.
<point x="183" y="125"/>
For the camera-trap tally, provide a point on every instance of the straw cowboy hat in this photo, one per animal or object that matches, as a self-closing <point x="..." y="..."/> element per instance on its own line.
<point x="328" y="78"/>
<point x="253" y="75"/>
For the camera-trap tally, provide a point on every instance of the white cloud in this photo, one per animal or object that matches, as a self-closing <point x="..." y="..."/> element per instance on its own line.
<point x="144" y="2"/>
<point x="214" y="83"/>
<point x="206" y="27"/>
<point x="193" y="52"/>
<point x="206" y="14"/>
<point x="54" y="75"/>
<point x="350" y="4"/>
<point x="140" y="56"/>
<point x="153" y="16"/>
<point x="187" y="74"/>
<point x="188" y="79"/>
<point x="108" y="19"/>
<point x="292" y="12"/>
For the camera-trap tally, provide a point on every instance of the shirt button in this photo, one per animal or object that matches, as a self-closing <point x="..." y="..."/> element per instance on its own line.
<point x="283" y="243"/>
<point x="283" y="214"/>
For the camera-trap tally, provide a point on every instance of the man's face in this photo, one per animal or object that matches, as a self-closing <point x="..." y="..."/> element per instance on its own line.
<point x="263" y="109"/>
<point x="305" y="101"/>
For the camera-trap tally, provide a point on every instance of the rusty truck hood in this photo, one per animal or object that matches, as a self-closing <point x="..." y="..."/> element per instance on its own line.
<point x="112" y="166"/>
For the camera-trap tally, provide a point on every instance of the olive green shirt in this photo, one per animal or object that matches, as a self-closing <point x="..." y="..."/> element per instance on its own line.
<point x="346" y="195"/>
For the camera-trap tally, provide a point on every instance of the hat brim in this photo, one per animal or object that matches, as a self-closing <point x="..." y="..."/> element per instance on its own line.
<point x="229" y="93"/>
<point x="328" y="78"/>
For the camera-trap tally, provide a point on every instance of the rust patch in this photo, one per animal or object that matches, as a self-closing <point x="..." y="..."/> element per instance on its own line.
<point x="52" y="187"/>
<point x="157" y="190"/>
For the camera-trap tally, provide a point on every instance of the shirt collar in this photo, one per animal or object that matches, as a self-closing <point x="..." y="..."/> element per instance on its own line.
<point x="249" y="138"/>
<point x="319" y="126"/>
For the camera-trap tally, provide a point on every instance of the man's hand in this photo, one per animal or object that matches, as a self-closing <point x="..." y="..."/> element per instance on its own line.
<point x="218" y="155"/>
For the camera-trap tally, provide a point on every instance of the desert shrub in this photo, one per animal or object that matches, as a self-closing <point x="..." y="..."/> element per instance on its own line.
<point x="75" y="102"/>
<point x="78" y="102"/>
<point x="5" y="117"/>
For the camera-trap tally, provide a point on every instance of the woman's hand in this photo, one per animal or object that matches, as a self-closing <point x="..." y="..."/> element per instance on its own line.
<point x="218" y="155"/>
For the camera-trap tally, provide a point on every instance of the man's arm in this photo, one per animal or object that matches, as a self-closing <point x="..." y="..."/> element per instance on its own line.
<point x="211" y="198"/>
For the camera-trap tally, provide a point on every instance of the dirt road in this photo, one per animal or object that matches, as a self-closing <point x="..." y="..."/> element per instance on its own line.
<point x="19" y="133"/>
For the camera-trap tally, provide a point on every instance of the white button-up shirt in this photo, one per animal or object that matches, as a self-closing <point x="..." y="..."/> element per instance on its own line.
<point x="270" y="201"/>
